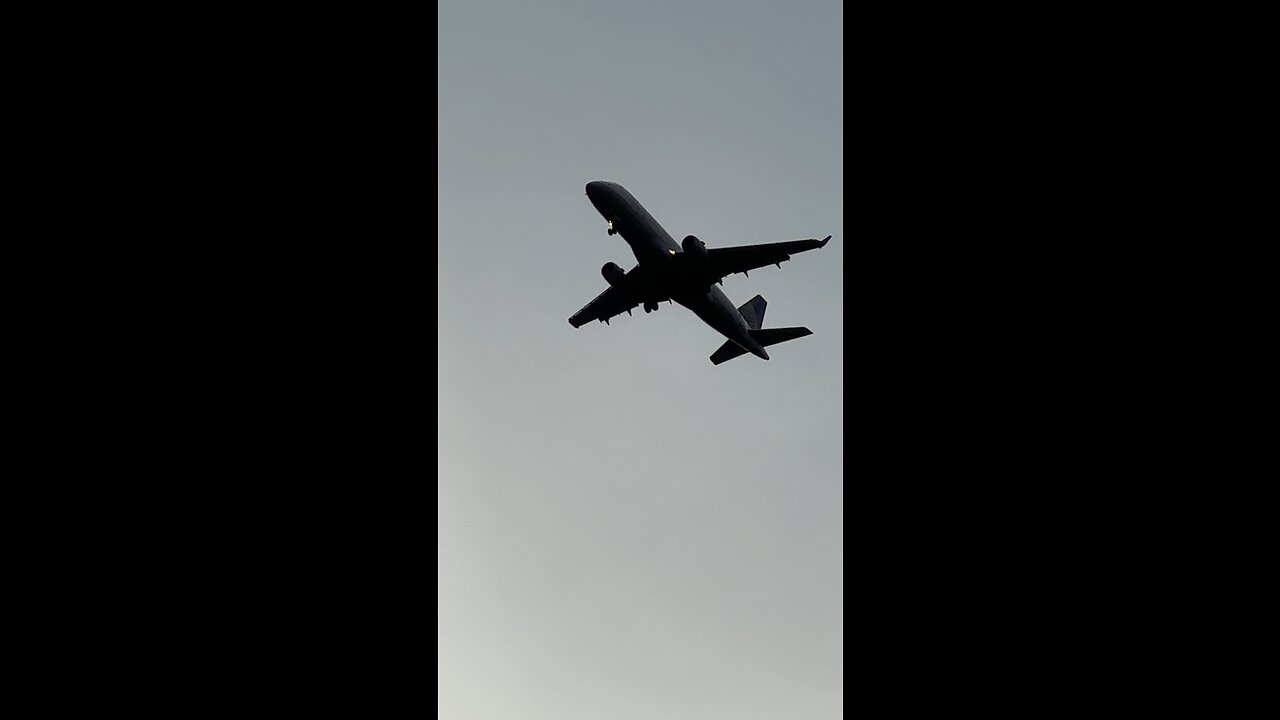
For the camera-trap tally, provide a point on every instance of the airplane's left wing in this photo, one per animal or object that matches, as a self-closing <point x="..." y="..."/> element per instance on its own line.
<point x="726" y="261"/>
<point x="614" y="300"/>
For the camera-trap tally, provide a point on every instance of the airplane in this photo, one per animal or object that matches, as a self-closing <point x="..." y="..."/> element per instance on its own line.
<point x="687" y="273"/>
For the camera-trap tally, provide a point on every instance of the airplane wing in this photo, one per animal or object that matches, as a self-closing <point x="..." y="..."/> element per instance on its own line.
<point x="726" y="261"/>
<point x="613" y="301"/>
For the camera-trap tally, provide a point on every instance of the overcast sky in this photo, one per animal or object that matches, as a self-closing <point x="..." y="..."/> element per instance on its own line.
<point x="625" y="530"/>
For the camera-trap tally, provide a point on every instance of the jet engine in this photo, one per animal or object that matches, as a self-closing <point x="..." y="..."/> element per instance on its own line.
<point x="612" y="273"/>
<point x="695" y="248"/>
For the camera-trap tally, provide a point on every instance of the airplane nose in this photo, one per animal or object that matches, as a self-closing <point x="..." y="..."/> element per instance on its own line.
<point x="596" y="193"/>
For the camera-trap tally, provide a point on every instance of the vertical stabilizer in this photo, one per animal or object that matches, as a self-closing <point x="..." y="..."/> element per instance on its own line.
<point x="753" y="312"/>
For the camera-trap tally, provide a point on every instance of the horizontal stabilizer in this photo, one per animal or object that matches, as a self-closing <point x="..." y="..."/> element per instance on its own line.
<point x="773" y="336"/>
<point x="728" y="351"/>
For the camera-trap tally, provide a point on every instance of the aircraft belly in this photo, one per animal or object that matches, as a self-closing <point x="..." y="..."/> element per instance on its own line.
<point x="714" y="308"/>
<point x="646" y="237"/>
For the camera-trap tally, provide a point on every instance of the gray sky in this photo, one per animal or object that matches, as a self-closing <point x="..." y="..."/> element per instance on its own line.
<point x="625" y="530"/>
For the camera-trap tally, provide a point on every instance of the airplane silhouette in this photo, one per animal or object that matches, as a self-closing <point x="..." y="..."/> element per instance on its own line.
<point x="687" y="273"/>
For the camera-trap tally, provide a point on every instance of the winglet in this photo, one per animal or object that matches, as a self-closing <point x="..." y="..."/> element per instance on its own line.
<point x="824" y="241"/>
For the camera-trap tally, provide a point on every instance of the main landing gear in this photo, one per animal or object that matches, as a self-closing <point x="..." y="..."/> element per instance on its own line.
<point x="650" y="307"/>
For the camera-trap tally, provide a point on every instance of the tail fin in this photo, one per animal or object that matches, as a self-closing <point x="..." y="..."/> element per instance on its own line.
<point x="753" y="312"/>
<point x="773" y="336"/>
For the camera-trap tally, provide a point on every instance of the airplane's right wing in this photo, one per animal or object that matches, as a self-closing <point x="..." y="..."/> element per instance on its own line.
<point x="613" y="301"/>
<point x="726" y="261"/>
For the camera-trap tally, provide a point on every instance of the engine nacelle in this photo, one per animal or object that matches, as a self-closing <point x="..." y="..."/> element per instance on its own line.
<point x="612" y="273"/>
<point x="695" y="248"/>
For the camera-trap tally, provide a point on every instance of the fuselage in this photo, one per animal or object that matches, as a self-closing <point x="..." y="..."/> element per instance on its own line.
<point x="664" y="270"/>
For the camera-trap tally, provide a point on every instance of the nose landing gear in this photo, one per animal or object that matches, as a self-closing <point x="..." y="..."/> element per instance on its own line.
<point x="611" y="230"/>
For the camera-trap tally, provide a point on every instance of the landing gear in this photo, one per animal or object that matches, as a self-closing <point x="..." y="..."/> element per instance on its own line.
<point x="611" y="230"/>
<point x="650" y="307"/>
